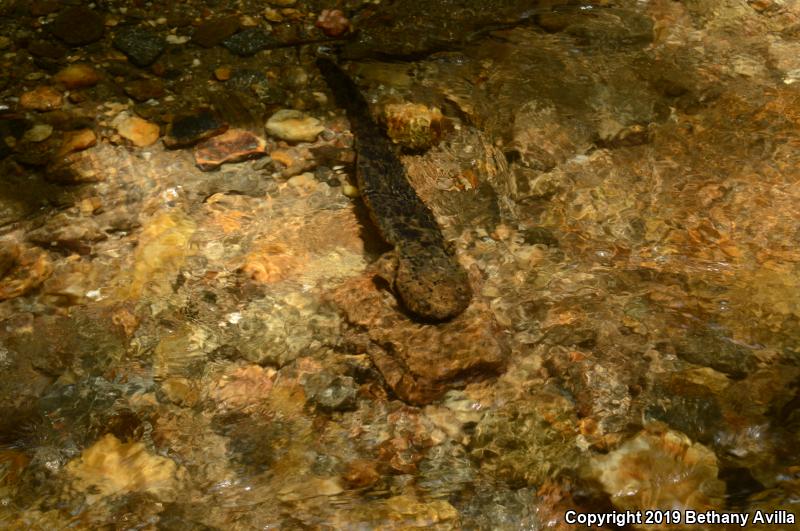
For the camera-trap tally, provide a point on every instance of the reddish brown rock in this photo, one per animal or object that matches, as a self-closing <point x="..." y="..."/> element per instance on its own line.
<point x="144" y="89"/>
<point x="41" y="99"/>
<point x="234" y="145"/>
<point x="420" y="362"/>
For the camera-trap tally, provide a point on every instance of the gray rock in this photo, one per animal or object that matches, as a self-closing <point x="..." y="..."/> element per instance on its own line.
<point x="142" y="47"/>
<point x="332" y="393"/>
<point x="249" y="42"/>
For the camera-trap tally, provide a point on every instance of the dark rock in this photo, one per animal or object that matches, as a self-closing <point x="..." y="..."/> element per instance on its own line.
<point x="539" y="236"/>
<point x="14" y="125"/>
<point x="214" y="31"/>
<point x="5" y="150"/>
<point x="36" y="153"/>
<point x="77" y="26"/>
<point x="47" y="49"/>
<point x="40" y="8"/>
<point x="144" y="89"/>
<point x="687" y="407"/>
<point x="141" y="46"/>
<point x="189" y="129"/>
<point x="711" y="349"/>
<point x="249" y="42"/>
<point x="553" y="22"/>
<point x="232" y="146"/>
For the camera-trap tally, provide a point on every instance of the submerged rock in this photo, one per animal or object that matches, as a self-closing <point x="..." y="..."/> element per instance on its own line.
<point x="191" y="128"/>
<point x="23" y="270"/>
<point x="77" y="141"/>
<point x="139" y="131"/>
<point x="234" y="145"/>
<point x="88" y="165"/>
<point x="214" y="31"/>
<point x="528" y="441"/>
<point x="41" y="99"/>
<point x="141" y="46"/>
<point x="111" y="467"/>
<point x="660" y="468"/>
<point x="249" y="42"/>
<point x="77" y="76"/>
<point x="415" y="126"/>
<point x="420" y="362"/>
<point x="333" y="23"/>
<point x="331" y="393"/>
<point x="294" y="126"/>
<point x="78" y="26"/>
<point x="38" y="133"/>
<point x="144" y="89"/>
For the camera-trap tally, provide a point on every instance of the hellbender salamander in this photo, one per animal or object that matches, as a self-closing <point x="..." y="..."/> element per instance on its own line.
<point x="428" y="279"/>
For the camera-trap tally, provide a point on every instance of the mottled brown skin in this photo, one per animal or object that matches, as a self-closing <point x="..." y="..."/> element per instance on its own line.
<point x="428" y="279"/>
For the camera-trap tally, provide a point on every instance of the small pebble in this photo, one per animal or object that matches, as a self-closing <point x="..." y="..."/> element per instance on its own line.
<point x="333" y="23"/>
<point x="77" y="76"/>
<point x="38" y="133"/>
<point x="246" y="21"/>
<point x="222" y="73"/>
<point x="178" y="39"/>
<point x="294" y="126"/>
<point x="272" y="15"/>
<point x="350" y="191"/>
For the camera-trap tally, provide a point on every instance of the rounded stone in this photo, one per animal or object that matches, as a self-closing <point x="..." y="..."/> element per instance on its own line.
<point x="294" y="126"/>
<point x="77" y="26"/>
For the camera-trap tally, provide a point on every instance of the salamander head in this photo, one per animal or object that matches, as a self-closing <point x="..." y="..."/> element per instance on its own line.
<point x="430" y="282"/>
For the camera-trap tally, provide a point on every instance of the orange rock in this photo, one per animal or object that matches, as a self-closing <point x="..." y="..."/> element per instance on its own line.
<point x="29" y="269"/>
<point x="140" y="132"/>
<point x="222" y="73"/>
<point x="77" y="76"/>
<point x="42" y="99"/>
<point x="77" y="141"/>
